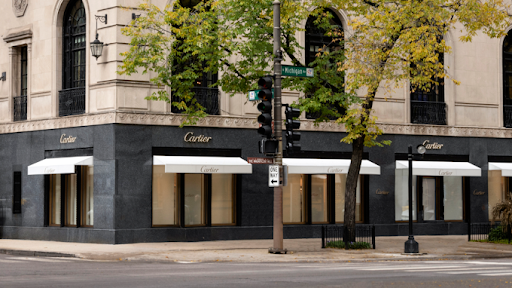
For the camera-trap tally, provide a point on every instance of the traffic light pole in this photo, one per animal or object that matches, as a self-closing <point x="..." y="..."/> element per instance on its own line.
<point x="278" y="132"/>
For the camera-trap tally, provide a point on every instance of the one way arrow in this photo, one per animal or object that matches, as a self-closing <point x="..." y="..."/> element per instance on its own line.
<point x="273" y="181"/>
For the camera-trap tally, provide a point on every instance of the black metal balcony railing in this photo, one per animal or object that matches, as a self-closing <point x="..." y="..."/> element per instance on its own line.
<point x="423" y="112"/>
<point x="507" y="115"/>
<point x="72" y="101"/>
<point x="207" y="97"/>
<point x="20" y="108"/>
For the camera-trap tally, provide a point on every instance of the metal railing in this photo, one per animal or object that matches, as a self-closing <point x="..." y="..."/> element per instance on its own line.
<point x="423" y="112"/>
<point x="507" y="116"/>
<point x="72" y="101"/>
<point x="364" y="233"/>
<point x="207" y="97"/>
<point x="20" y="108"/>
<point x="480" y="231"/>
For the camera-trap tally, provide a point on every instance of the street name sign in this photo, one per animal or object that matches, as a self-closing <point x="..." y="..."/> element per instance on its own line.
<point x="253" y="95"/>
<point x="273" y="176"/>
<point x="297" y="71"/>
<point x="260" y="160"/>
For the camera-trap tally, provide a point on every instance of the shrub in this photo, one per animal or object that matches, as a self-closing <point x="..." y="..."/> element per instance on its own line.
<point x="497" y="234"/>
<point x="352" y="245"/>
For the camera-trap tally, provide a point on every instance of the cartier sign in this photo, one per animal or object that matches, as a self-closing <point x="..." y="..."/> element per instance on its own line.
<point x="335" y="170"/>
<point x="209" y="169"/>
<point x="432" y="146"/>
<point x="189" y="137"/>
<point x="67" y="139"/>
<point x="381" y="192"/>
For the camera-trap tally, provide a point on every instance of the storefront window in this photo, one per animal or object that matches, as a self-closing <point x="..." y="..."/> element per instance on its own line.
<point x="402" y="195"/>
<point x="165" y="196"/>
<point x="223" y="199"/>
<point x="319" y="208"/>
<point x="498" y="189"/>
<point x="55" y="190"/>
<point x="294" y="199"/>
<point x="67" y="189"/>
<point x="453" y="204"/>
<point x="340" y="186"/>
<point x="194" y="199"/>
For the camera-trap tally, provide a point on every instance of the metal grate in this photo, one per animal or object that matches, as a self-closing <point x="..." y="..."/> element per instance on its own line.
<point x="507" y="115"/>
<point x="364" y="233"/>
<point x="480" y="231"/>
<point x="423" y="112"/>
<point x="207" y="97"/>
<point x="20" y="108"/>
<point x="72" y="101"/>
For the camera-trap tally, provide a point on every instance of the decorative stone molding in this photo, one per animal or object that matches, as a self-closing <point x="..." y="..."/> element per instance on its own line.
<point x="139" y="118"/>
<point x="19" y="7"/>
<point x="17" y="34"/>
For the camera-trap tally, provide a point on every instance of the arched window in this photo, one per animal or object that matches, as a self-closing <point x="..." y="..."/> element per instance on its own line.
<point x="427" y="104"/>
<point x="317" y="39"/>
<point x="72" y="95"/>
<point x="507" y="80"/>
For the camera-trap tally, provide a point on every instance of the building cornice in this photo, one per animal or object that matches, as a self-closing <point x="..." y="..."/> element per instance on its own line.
<point x="141" y="118"/>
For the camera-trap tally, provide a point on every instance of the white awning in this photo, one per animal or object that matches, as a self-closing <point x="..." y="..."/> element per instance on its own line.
<point x="327" y="166"/>
<point x="506" y="168"/>
<point x="203" y="164"/>
<point x="440" y="168"/>
<point x="64" y="165"/>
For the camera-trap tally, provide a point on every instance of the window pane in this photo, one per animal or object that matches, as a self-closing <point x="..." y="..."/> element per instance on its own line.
<point x="70" y="187"/>
<point x="293" y="199"/>
<point x="497" y="189"/>
<point x="88" y="196"/>
<point x="402" y="195"/>
<point x="194" y="199"/>
<point x="429" y="199"/>
<point x="339" y="187"/>
<point x="453" y="209"/>
<point x="165" y="194"/>
<point x="55" y="199"/>
<point x="222" y="199"/>
<point x="318" y="198"/>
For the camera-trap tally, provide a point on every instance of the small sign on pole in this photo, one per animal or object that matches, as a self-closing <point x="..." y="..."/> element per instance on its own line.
<point x="297" y="71"/>
<point x="273" y="176"/>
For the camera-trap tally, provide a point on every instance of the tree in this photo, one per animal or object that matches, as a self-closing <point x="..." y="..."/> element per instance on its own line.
<point x="396" y="42"/>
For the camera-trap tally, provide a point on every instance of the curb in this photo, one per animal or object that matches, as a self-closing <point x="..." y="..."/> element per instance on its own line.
<point x="36" y="253"/>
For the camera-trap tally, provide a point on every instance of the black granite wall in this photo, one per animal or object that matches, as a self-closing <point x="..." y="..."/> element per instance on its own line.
<point x="123" y="180"/>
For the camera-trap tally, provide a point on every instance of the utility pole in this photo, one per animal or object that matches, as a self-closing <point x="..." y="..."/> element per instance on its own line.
<point x="278" y="126"/>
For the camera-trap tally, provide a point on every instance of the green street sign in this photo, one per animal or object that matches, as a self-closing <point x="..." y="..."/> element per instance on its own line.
<point x="253" y="95"/>
<point x="297" y="71"/>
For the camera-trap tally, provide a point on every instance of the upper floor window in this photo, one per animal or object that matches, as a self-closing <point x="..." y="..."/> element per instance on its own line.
<point x="507" y="81"/>
<point x="318" y="40"/>
<point x="427" y="103"/>
<point x="72" y="95"/>
<point x="20" y="100"/>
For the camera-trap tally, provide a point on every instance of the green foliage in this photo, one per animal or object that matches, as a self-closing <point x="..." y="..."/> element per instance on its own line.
<point x="352" y="245"/>
<point x="502" y="211"/>
<point x="497" y="234"/>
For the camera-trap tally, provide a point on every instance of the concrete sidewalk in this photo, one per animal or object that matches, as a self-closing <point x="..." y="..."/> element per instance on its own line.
<point x="301" y="250"/>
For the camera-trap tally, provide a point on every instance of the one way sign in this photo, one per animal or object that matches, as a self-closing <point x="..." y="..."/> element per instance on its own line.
<point x="273" y="176"/>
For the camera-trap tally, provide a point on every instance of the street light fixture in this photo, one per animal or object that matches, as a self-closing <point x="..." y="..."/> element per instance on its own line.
<point x="97" y="45"/>
<point x="411" y="246"/>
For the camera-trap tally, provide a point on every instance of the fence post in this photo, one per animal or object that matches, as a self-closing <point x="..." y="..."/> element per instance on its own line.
<point x="345" y="231"/>
<point x="469" y="231"/>
<point x="373" y="236"/>
<point x="323" y="236"/>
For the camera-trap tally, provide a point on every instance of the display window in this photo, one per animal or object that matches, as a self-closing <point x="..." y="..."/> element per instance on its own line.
<point x="499" y="189"/>
<point x="189" y="200"/>
<point x="318" y="199"/>
<point x="71" y="198"/>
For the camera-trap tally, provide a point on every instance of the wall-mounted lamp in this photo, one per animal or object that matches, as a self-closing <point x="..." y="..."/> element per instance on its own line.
<point x="4" y="77"/>
<point x="134" y="16"/>
<point x="97" y="45"/>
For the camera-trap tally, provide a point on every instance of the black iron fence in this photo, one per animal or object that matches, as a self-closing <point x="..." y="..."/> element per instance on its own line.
<point x="482" y="231"/>
<point x="72" y="101"/>
<point x="207" y="97"/>
<point x="20" y="108"/>
<point x="423" y="112"/>
<point x="364" y="233"/>
<point x="507" y="116"/>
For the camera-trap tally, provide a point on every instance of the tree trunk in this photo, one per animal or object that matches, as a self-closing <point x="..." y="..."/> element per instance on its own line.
<point x="350" y="191"/>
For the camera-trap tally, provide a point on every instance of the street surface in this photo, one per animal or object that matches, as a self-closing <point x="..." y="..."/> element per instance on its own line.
<point x="19" y="271"/>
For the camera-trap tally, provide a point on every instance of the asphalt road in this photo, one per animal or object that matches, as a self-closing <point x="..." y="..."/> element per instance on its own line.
<point x="17" y="271"/>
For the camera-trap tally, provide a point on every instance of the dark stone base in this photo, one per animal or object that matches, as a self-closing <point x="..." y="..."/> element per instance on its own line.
<point x="411" y="246"/>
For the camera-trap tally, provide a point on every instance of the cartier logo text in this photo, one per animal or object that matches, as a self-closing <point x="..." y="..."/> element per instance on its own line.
<point x="189" y="137"/>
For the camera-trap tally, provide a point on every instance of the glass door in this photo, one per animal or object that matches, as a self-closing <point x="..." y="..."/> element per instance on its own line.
<point x="429" y="199"/>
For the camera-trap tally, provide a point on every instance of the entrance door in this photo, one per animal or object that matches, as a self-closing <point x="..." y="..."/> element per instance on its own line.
<point x="429" y="199"/>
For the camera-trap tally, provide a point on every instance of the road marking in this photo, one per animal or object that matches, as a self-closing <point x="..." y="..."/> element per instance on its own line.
<point x="490" y="263"/>
<point x="408" y="268"/>
<point x="476" y="272"/>
<point x="9" y="261"/>
<point x="455" y="269"/>
<point x="497" y="274"/>
<point x="37" y="259"/>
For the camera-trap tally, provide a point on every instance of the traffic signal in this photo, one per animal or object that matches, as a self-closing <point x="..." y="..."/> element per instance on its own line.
<point x="292" y="137"/>
<point x="265" y="106"/>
